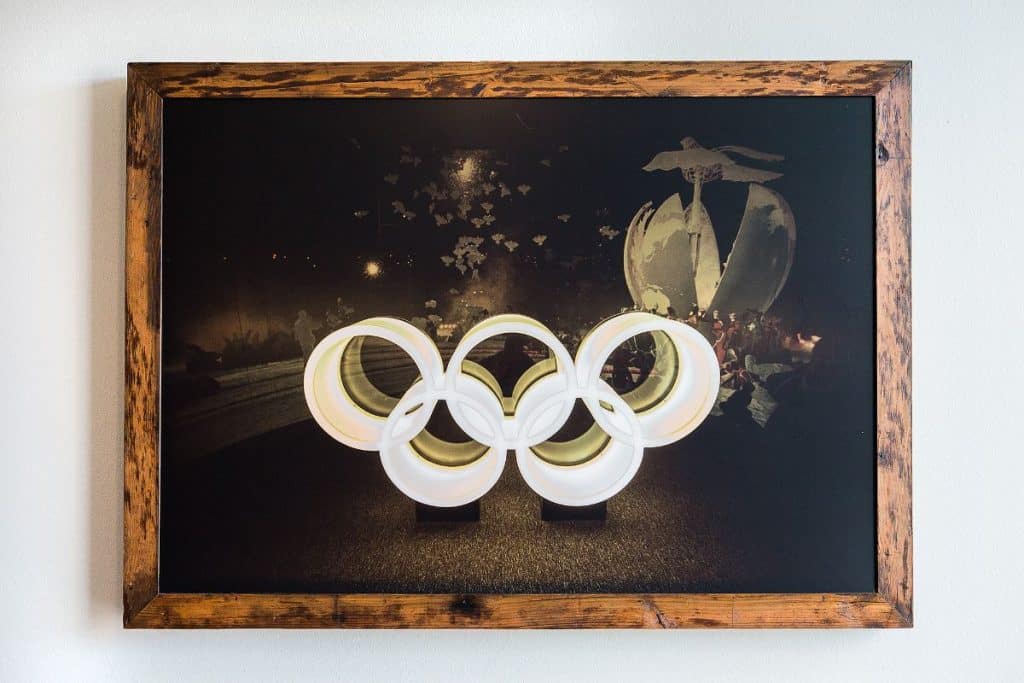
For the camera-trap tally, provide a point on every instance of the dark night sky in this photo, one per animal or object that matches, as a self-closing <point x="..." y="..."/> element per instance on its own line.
<point x="248" y="179"/>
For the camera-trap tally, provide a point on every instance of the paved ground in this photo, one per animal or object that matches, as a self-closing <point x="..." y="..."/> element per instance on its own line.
<point x="278" y="506"/>
<point x="294" y="511"/>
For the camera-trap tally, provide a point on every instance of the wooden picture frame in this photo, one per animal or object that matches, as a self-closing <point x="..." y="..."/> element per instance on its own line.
<point x="149" y="84"/>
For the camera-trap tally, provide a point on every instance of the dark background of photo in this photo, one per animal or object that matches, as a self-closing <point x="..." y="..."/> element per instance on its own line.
<point x="786" y="508"/>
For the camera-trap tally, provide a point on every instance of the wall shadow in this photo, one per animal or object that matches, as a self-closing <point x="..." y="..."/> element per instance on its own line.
<point x="105" y="282"/>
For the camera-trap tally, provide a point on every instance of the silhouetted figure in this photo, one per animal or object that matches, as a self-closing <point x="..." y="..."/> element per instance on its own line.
<point x="644" y="352"/>
<point x="509" y="364"/>
<point x="820" y="397"/>
<point x="331" y="321"/>
<point x="733" y="332"/>
<point x="736" y="406"/>
<point x="622" y="378"/>
<point x="201" y="360"/>
<point x="718" y="341"/>
<point x="304" y="334"/>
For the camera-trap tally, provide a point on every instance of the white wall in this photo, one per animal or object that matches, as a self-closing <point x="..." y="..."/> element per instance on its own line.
<point x="62" y="66"/>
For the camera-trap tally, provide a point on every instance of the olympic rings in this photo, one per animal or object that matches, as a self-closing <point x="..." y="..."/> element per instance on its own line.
<point x="677" y="395"/>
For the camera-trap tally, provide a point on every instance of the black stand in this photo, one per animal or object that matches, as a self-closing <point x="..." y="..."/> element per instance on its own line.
<point x="428" y="514"/>
<point x="553" y="512"/>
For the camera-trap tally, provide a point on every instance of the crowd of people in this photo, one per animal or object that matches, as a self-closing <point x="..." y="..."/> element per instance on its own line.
<point x="745" y="345"/>
<point x="734" y="338"/>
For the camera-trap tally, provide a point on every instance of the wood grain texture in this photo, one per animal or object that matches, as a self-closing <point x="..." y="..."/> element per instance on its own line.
<point x="807" y="610"/>
<point x="520" y="79"/>
<point x="142" y="343"/>
<point x="888" y="82"/>
<point x="893" y="343"/>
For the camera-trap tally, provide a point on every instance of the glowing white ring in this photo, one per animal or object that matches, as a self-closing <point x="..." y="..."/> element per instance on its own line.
<point x="540" y="407"/>
<point x="691" y="398"/>
<point x="561" y="382"/>
<point x="595" y="480"/>
<point x="332" y="406"/>
<point x="430" y="483"/>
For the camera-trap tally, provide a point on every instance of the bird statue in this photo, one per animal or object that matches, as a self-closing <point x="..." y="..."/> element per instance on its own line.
<point x="657" y="271"/>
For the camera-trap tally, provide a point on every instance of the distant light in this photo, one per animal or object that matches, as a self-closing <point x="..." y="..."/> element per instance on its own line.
<point x="468" y="170"/>
<point x="371" y="269"/>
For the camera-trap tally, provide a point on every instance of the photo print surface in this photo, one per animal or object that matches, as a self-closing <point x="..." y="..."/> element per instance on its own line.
<point x="747" y="221"/>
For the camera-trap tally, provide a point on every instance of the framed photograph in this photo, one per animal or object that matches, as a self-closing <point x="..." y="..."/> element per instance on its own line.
<point x="518" y="345"/>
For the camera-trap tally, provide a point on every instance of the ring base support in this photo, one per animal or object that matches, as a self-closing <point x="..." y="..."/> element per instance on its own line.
<point x="553" y="512"/>
<point x="428" y="514"/>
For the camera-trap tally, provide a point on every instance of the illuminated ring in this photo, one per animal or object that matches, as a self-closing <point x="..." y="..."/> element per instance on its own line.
<point x="605" y="472"/>
<point x="333" y="404"/>
<point x="689" y="395"/>
<point x="550" y="378"/>
<point x="677" y="395"/>
<point x="428" y="482"/>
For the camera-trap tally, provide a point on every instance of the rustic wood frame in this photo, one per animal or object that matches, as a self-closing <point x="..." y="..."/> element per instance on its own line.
<point x="150" y="83"/>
